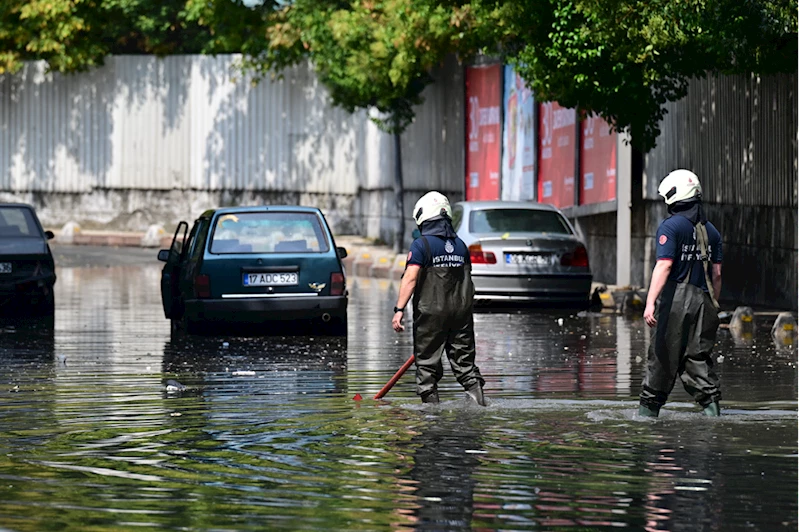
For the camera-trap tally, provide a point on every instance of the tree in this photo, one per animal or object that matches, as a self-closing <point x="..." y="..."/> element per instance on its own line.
<point x="624" y="59"/>
<point x="621" y="59"/>
<point x="75" y="35"/>
<point x="369" y="55"/>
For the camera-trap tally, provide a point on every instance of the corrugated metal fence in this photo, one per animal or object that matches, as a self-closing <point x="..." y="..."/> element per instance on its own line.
<point x="197" y="122"/>
<point x="140" y="126"/>
<point x="738" y="133"/>
<point x="176" y="123"/>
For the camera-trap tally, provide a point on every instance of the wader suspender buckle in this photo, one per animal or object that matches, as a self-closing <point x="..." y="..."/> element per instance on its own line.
<point x="702" y="240"/>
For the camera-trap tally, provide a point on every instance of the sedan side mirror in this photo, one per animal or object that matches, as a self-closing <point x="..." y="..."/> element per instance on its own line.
<point x="342" y="252"/>
<point x="163" y="255"/>
<point x="49" y="235"/>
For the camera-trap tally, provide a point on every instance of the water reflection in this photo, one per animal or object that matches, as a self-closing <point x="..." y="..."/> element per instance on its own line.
<point x="262" y="433"/>
<point x="443" y="478"/>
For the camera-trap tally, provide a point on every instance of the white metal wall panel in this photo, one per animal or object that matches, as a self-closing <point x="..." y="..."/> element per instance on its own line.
<point x="52" y="130"/>
<point x="433" y="146"/>
<point x="277" y="135"/>
<point x="151" y="123"/>
<point x="196" y="122"/>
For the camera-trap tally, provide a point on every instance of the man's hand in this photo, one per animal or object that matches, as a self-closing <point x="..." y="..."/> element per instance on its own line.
<point x="649" y="315"/>
<point x="397" y="322"/>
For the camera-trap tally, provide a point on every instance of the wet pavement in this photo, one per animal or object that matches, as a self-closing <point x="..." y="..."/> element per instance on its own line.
<point x="112" y="422"/>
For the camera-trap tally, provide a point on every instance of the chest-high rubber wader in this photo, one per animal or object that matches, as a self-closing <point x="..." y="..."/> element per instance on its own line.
<point x="442" y="319"/>
<point x="682" y="341"/>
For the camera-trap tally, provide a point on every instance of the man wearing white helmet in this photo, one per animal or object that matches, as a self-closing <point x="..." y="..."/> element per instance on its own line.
<point x="438" y="276"/>
<point x="681" y="305"/>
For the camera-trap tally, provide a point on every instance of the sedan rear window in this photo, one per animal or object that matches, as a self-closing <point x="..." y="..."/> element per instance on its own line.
<point x="268" y="232"/>
<point x="517" y="221"/>
<point x="17" y="221"/>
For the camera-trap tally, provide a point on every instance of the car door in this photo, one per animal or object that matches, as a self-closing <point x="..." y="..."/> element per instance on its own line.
<point x="170" y="274"/>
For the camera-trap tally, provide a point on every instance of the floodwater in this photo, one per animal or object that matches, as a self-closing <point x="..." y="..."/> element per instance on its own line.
<point x="264" y="434"/>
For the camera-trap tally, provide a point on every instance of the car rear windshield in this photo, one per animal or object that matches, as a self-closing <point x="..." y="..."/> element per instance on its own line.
<point x="517" y="221"/>
<point x="268" y="232"/>
<point x="17" y="221"/>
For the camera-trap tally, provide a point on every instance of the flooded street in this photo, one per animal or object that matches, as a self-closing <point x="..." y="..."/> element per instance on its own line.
<point x="263" y="433"/>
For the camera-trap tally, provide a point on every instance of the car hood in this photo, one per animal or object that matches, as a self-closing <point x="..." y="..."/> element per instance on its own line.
<point x="22" y="246"/>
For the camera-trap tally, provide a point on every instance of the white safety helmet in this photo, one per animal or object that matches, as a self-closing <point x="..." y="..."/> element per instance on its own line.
<point x="680" y="185"/>
<point x="431" y="205"/>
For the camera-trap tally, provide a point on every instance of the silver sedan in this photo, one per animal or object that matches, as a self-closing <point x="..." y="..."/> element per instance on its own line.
<point x="523" y="251"/>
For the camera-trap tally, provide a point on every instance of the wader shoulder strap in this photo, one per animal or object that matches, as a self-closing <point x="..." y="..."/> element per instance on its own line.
<point x="427" y="250"/>
<point x="702" y="241"/>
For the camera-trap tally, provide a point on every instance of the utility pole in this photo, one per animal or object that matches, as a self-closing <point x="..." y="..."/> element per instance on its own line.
<point x="399" y="202"/>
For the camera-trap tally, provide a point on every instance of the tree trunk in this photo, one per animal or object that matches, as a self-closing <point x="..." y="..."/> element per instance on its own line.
<point x="399" y="203"/>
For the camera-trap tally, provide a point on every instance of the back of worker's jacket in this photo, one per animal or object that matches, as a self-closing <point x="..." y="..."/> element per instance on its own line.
<point x="444" y="287"/>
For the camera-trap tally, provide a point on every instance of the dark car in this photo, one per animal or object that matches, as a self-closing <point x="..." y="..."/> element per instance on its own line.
<point x="523" y="251"/>
<point x="27" y="269"/>
<point x="256" y="266"/>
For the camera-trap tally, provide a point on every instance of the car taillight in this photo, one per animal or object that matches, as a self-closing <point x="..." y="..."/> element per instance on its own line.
<point x="478" y="256"/>
<point x="337" y="284"/>
<point x="578" y="258"/>
<point x="202" y="286"/>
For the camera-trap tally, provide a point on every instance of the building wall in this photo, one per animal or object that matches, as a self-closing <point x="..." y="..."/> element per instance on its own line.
<point x="144" y="140"/>
<point x="599" y="234"/>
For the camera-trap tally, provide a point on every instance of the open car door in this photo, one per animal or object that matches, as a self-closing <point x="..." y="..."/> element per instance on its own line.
<point x="170" y="275"/>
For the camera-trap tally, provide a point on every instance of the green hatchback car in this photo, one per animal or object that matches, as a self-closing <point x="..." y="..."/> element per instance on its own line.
<point x="255" y="266"/>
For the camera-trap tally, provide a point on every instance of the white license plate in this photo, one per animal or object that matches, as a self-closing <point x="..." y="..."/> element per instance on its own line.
<point x="529" y="259"/>
<point x="5" y="267"/>
<point x="270" y="279"/>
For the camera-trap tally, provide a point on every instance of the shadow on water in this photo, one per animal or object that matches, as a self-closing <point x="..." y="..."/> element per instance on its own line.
<point x="295" y="328"/>
<point x="271" y="364"/>
<point x="26" y="338"/>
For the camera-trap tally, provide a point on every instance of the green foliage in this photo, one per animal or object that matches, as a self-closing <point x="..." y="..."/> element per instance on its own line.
<point x="621" y="59"/>
<point x="369" y="54"/>
<point x="624" y="59"/>
<point x="74" y="35"/>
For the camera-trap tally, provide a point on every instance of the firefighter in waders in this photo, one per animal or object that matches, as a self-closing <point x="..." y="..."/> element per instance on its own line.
<point x="438" y="276"/>
<point x="681" y="305"/>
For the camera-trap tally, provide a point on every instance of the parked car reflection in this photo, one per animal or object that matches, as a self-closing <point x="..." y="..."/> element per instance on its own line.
<point x="27" y="349"/>
<point x="228" y="366"/>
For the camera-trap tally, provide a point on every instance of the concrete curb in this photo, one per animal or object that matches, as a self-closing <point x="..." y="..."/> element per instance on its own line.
<point x="72" y="234"/>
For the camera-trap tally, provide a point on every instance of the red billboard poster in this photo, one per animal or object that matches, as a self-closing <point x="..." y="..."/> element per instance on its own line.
<point x="556" y="129"/>
<point x="482" y="132"/>
<point x="597" y="162"/>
